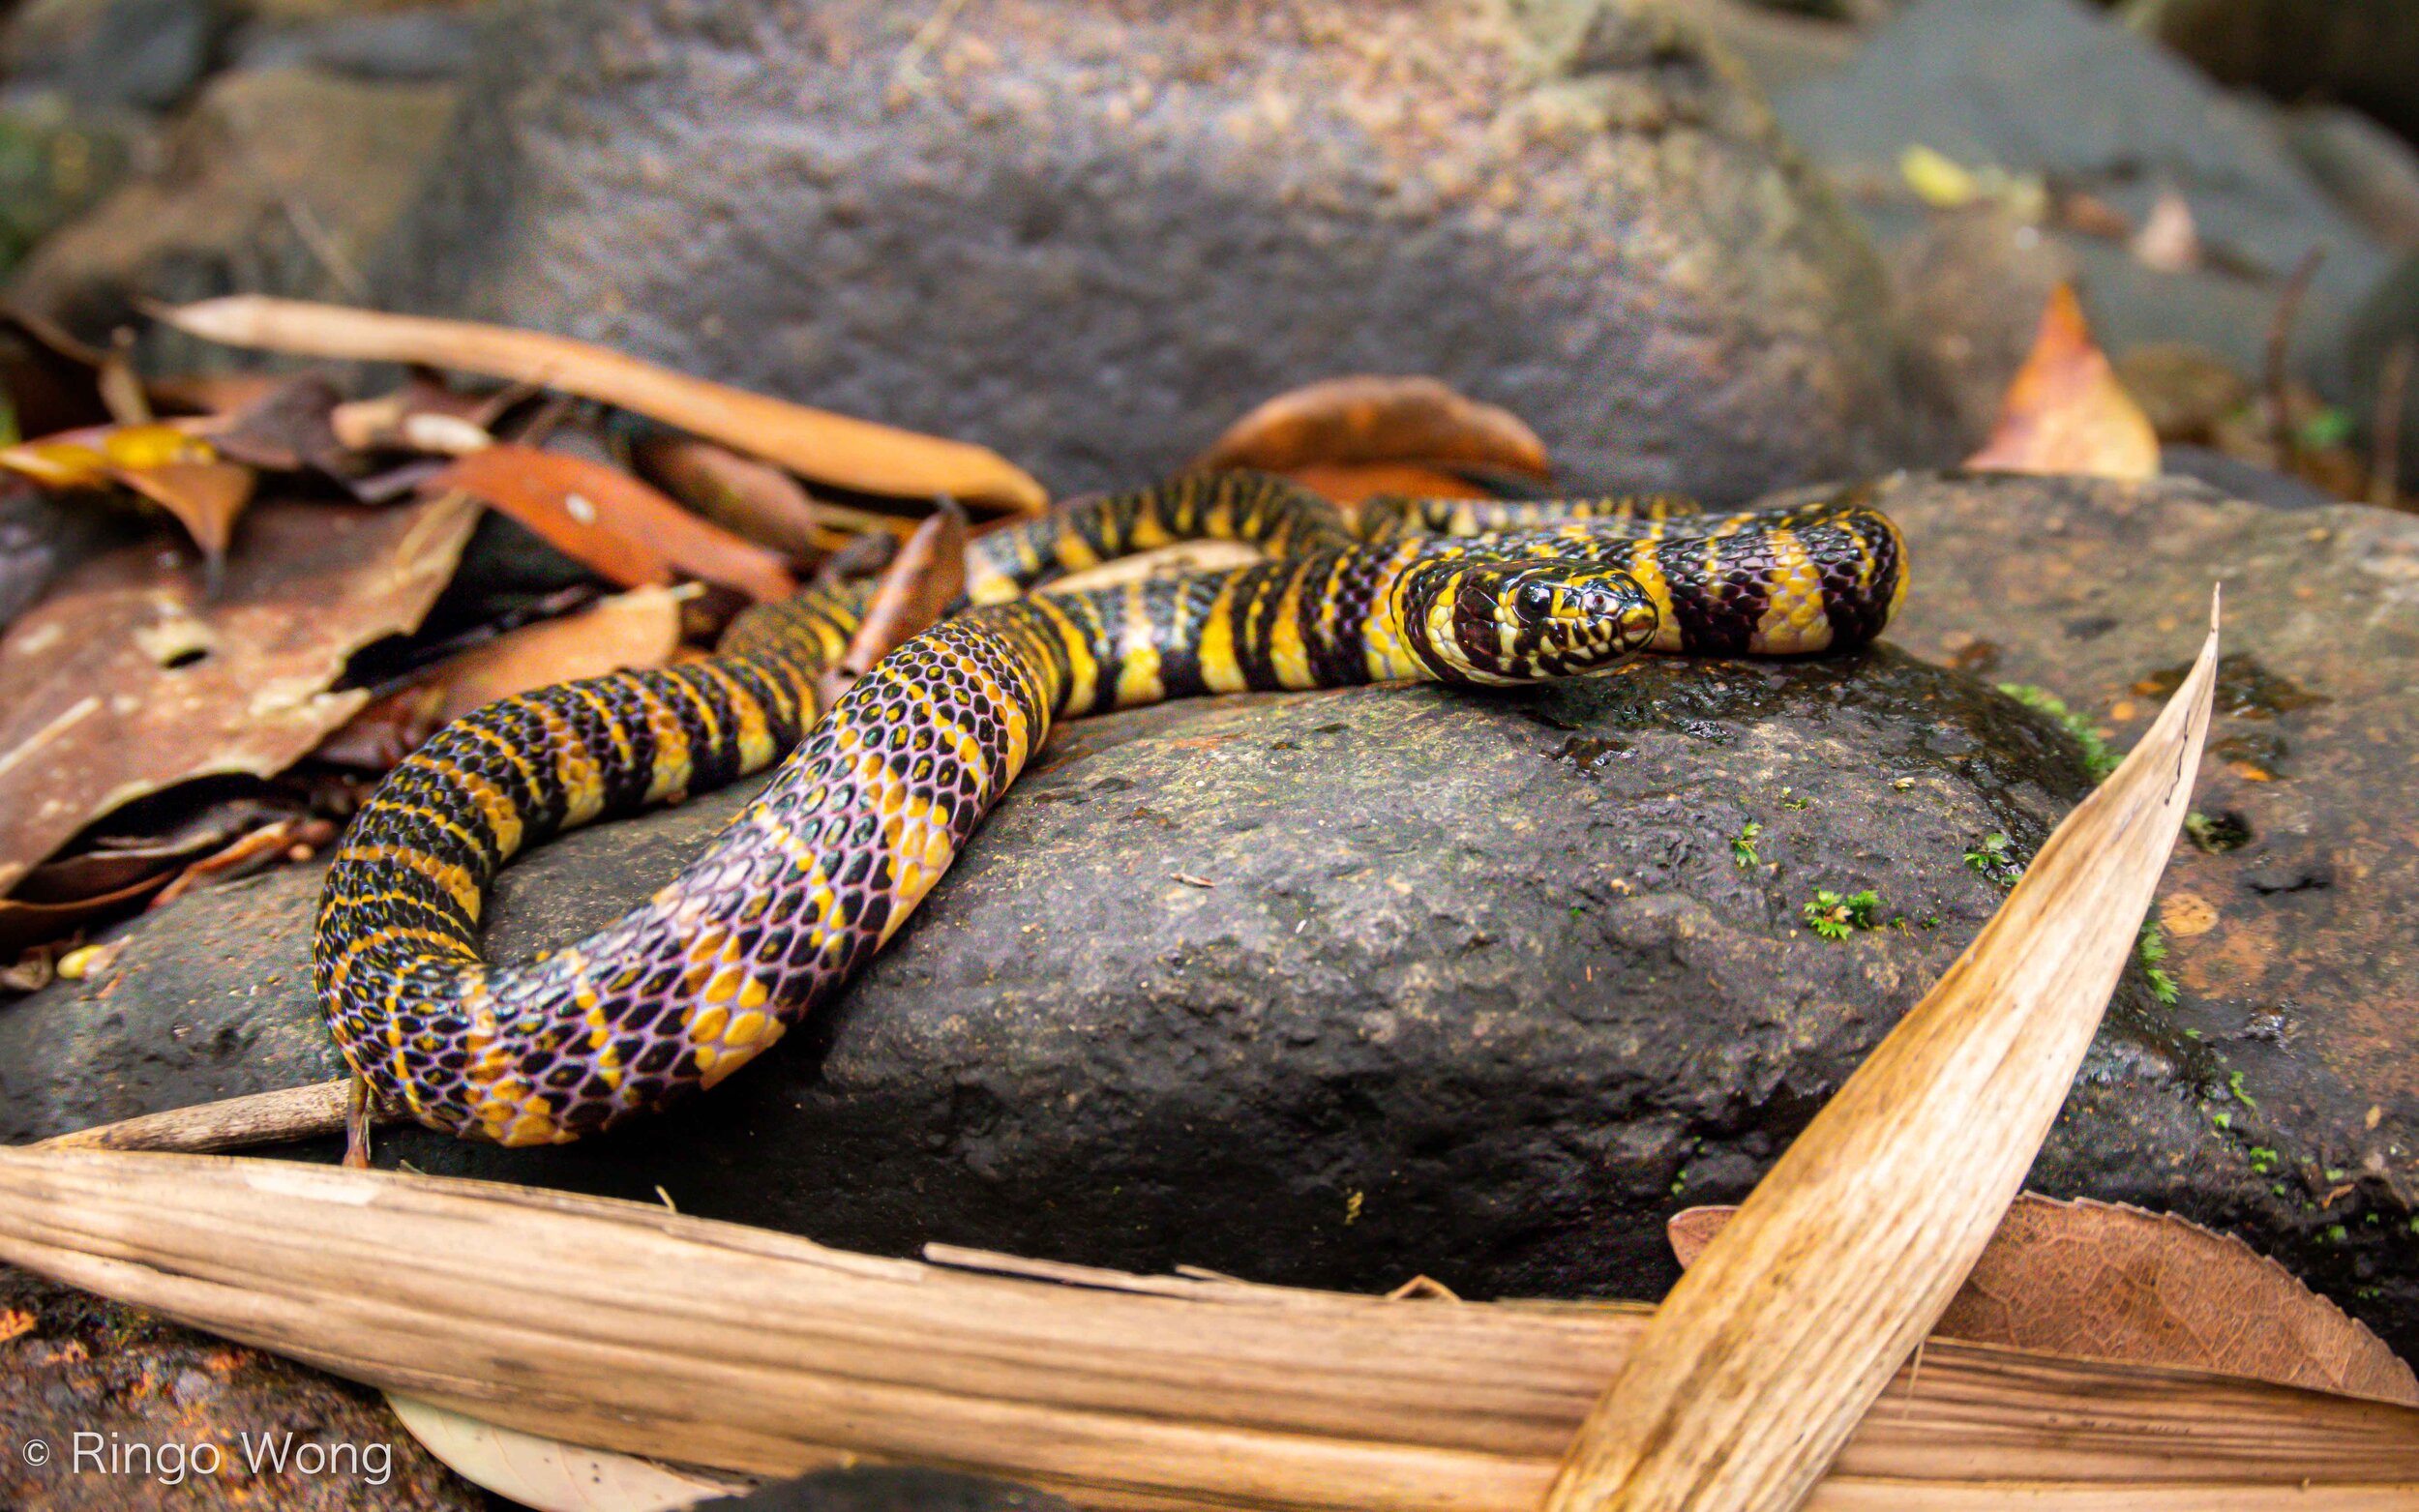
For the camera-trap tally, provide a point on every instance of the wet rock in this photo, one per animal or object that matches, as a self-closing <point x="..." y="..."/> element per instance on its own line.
<point x="2372" y="173"/>
<point x="1326" y="988"/>
<point x="278" y="181"/>
<point x="55" y="162"/>
<point x="168" y="1418"/>
<point x="415" y="45"/>
<point x="2288" y="918"/>
<point x="1090" y="234"/>
<point x="2054" y="88"/>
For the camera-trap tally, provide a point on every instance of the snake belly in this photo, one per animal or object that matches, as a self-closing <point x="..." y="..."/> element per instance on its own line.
<point x="882" y="792"/>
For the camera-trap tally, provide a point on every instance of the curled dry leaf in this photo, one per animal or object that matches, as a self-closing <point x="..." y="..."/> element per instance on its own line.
<point x="548" y="1475"/>
<point x="606" y="519"/>
<point x="2064" y="411"/>
<point x="285" y="429"/>
<point x="23" y="925"/>
<point x="925" y="577"/>
<point x="170" y="463"/>
<point x="1355" y="483"/>
<point x="1371" y="419"/>
<point x="403" y="422"/>
<point x="2168" y="242"/>
<point x="630" y="631"/>
<point x="127" y="679"/>
<point x="2096" y="1281"/>
<point x="754" y="499"/>
<point x="853" y="453"/>
<point x="205" y="498"/>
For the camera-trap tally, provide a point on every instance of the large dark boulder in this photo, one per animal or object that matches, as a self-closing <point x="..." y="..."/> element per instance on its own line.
<point x="1091" y="233"/>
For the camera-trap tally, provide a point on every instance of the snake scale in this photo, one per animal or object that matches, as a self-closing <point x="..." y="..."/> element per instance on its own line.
<point x="882" y="793"/>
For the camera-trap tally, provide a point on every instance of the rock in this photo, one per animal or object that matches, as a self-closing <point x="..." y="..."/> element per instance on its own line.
<point x="148" y="54"/>
<point x="1971" y="287"/>
<point x="1479" y="985"/>
<point x="1090" y="235"/>
<point x="2363" y="52"/>
<point x="54" y="162"/>
<point x="2372" y="173"/>
<point x="407" y="44"/>
<point x="2053" y="88"/>
<point x="2288" y="924"/>
<point x="166" y="1419"/>
<point x="276" y="182"/>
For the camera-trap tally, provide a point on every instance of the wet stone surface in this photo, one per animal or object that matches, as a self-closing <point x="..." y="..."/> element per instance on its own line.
<point x="2290" y="916"/>
<point x="1091" y="233"/>
<point x="1481" y="985"/>
<point x="177" y="1419"/>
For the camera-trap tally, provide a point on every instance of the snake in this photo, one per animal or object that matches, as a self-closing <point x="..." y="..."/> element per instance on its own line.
<point x="878" y="793"/>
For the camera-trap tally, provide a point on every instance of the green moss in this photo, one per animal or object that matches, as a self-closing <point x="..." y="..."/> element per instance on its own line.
<point x="1743" y="848"/>
<point x="2234" y="1086"/>
<point x="1994" y="858"/>
<point x="2152" y="948"/>
<point x="1835" y="917"/>
<point x="2098" y="758"/>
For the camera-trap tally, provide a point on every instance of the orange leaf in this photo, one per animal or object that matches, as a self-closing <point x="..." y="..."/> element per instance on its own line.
<point x="2100" y="1281"/>
<point x="205" y="498"/>
<point x="1371" y="419"/>
<point x="924" y="578"/>
<point x="629" y="632"/>
<point x="1351" y="483"/>
<point x="755" y="499"/>
<point x="2064" y="411"/>
<point x="609" y="520"/>
<point x="15" y="1324"/>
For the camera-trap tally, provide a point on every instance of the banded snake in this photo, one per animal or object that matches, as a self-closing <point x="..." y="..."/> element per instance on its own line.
<point x="884" y="790"/>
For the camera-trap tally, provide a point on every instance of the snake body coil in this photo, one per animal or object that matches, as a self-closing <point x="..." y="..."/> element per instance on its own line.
<point x="876" y="800"/>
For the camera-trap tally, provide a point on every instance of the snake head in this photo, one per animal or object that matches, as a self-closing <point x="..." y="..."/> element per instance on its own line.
<point x="1512" y="621"/>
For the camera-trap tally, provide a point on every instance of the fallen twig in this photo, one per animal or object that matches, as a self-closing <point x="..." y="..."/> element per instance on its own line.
<point x="296" y="1113"/>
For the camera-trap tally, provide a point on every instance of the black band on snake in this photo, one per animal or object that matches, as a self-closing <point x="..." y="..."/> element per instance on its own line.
<point x="884" y="790"/>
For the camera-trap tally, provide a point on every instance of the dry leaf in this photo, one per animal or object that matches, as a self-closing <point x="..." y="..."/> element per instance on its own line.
<point x="15" y="1324"/>
<point x="261" y="847"/>
<point x="404" y="422"/>
<point x="630" y="631"/>
<point x="1759" y="1364"/>
<point x="853" y="453"/>
<point x="2064" y="411"/>
<point x="120" y="861"/>
<point x="754" y="499"/>
<point x="205" y="498"/>
<point x="285" y="429"/>
<point x="388" y="728"/>
<point x="1352" y="482"/>
<point x="2096" y="1281"/>
<point x="925" y="577"/>
<point x="94" y="457"/>
<point x="27" y="924"/>
<point x="1370" y="419"/>
<point x="546" y="1474"/>
<point x="516" y="1306"/>
<point x="603" y="518"/>
<point x="126" y="679"/>
<point x="1937" y="179"/>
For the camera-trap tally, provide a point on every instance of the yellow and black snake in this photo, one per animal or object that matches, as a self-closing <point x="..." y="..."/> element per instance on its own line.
<point x="876" y="800"/>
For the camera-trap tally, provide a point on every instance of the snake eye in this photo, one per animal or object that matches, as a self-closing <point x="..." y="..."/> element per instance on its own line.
<point x="1535" y="599"/>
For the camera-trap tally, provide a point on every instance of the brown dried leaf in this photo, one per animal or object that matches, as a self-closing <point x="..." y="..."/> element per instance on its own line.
<point x="2064" y="411"/>
<point x="2096" y="1281"/>
<point x="23" y="924"/>
<point x="127" y="679"/>
<point x="630" y="631"/>
<point x="853" y="453"/>
<point x="607" y="519"/>
<point x="387" y="729"/>
<point x="1373" y="419"/>
<point x="1352" y="482"/>
<point x="1166" y="561"/>
<point x="117" y="862"/>
<point x="924" y="578"/>
<point x="285" y="429"/>
<point x="2169" y="241"/>
<point x="754" y="499"/>
<point x="205" y="498"/>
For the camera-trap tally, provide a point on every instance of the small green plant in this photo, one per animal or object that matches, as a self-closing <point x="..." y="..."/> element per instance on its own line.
<point x="2336" y="1233"/>
<point x="1835" y="917"/>
<point x="1789" y="802"/>
<point x="2234" y="1089"/>
<point x="2152" y="948"/>
<point x="2262" y="1160"/>
<point x="2226" y="1121"/>
<point x="2217" y="834"/>
<point x="2098" y="758"/>
<point x="1743" y="848"/>
<point x="1994" y="858"/>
